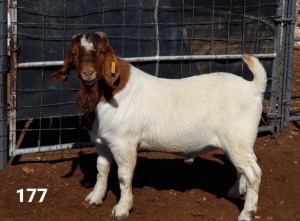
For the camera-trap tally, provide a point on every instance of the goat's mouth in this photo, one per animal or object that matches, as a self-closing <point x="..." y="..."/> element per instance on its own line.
<point x="88" y="78"/>
<point x="89" y="83"/>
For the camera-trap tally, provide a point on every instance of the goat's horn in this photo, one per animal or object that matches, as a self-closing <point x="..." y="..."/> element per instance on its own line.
<point x="102" y="35"/>
<point x="74" y="36"/>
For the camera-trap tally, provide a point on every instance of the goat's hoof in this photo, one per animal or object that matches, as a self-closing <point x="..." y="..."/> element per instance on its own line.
<point x="94" y="198"/>
<point x="120" y="212"/>
<point x="245" y="216"/>
<point x="189" y="161"/>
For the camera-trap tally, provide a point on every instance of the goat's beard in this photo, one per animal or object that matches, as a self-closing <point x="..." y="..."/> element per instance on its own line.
<point x="87" y="100"/>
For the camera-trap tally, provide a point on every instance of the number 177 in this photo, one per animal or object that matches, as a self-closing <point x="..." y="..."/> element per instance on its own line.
<point x="33" y="192"/>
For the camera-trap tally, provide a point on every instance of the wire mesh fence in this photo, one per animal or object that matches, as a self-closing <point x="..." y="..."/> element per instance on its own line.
<point x="166" y="38"/>
<point x="3" y="85"/>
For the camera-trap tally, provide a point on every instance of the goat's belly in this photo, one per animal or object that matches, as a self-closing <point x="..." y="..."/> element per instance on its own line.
<point x="186" y="147"/>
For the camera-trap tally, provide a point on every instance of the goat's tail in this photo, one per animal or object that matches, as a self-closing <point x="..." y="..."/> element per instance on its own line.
<point x="259" y="72"/>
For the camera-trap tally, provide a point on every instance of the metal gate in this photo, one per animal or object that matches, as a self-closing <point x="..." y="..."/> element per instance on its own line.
<point x="288" y="108"/>
<point x="168" y="38"/>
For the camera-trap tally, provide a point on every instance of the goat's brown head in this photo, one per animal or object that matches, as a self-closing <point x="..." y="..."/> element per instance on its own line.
<point x="101" y="72"/>
<point x="93" y="59"/>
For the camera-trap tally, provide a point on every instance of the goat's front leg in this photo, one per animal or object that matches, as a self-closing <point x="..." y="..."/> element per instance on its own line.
<point x="104" y="161"/>
<point x="126" y="160"/>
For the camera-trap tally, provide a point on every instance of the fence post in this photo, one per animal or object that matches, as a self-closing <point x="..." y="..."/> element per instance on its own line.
<point x="290" y="60"/>
<point x="287" y="51"/>
<point x="3" y="84"/>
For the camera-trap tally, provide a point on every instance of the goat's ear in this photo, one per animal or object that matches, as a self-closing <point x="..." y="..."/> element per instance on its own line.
<point x="111" y="71"/>
<point x="63" y="73"/>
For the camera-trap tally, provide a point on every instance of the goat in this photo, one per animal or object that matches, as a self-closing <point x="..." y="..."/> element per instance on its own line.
<point x="128" y="110"/>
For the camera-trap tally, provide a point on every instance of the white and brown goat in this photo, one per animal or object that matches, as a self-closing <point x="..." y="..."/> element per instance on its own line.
<point x="128" y="110"/>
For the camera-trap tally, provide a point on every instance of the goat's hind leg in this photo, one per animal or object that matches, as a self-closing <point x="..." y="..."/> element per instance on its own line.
<point x="104" y="161"/>
<point x="250" y="177"/>
<point x="239" y="189"/>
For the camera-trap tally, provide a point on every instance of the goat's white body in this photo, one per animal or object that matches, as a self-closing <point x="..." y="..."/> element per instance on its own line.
<point x="186" y="117"/>
<point x="180" y="116"/>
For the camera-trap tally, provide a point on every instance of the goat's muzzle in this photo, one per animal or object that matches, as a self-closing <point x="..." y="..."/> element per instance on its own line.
<point x="88" y="77"/>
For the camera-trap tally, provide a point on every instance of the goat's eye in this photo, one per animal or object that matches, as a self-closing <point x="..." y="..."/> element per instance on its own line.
<point x="101" y="54"/>
<point x="75" y="57"/>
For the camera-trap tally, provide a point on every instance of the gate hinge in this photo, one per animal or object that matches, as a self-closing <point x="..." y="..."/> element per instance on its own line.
<point x="274" y="116"/>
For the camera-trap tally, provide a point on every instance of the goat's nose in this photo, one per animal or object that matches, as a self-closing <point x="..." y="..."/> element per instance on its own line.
<point x="87" y="73"/>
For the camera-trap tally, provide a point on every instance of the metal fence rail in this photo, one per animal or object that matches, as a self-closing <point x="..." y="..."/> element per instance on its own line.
<point x="168" y="38"/>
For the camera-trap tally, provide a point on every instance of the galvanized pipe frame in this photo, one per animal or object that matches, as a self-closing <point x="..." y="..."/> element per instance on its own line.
<point x="57" y="147"/>
<point x="281" y="35"/>
<point x="273" y="112"/>
<point x="155" y="59"/>
<point x="156" y="36"/>
<point x="290" y="52"/>
<point x="287" y="23"/>
<point x="14" y="66"/>
<point x="12" y="98"/>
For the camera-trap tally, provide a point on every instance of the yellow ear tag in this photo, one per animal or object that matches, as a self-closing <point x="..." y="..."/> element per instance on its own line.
<point x="113" y="67"/>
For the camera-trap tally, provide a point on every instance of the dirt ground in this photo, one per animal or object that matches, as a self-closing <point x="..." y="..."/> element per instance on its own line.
<point x="164" y="187"/>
